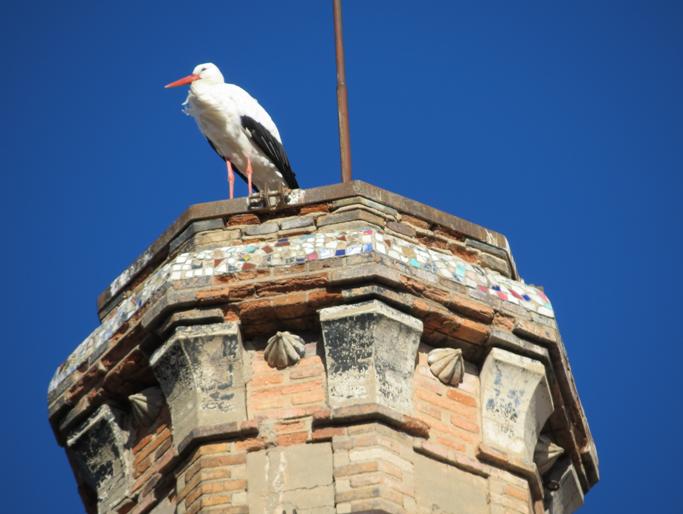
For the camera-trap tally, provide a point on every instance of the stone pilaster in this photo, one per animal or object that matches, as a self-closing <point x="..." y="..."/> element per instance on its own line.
<point x="370" y="350"/>
<point x="374" y="470"/>
<point x="98" y="447"/>
<point x="516" y="403"/>
<point x="201" y="374"/>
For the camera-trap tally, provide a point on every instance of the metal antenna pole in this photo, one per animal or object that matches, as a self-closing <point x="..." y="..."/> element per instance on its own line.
<point x="342" y="100"/>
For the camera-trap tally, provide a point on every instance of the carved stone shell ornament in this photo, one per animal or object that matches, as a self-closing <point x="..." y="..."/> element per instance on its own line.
<point x="447" y="365"/>
<point x="145" y="405"/>
<point x="546" y="454"/>
<point x="284" y="349"/>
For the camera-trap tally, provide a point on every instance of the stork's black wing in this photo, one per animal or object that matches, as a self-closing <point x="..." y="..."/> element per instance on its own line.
<point x="234" y="168"/>
<point x="270" y="146"/>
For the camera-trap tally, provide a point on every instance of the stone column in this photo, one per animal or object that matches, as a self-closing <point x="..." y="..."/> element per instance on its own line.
<point x="200" y="371"/>
<point x="370" y="350"/>
<point x="516" y="403"/>
<point x="98" y="447"/>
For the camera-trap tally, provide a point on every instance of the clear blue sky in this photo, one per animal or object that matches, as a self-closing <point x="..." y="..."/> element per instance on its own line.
<point x="559" y="124"/>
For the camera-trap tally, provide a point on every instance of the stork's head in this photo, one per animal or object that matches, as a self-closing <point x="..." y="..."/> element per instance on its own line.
<point x="207" y="73"/>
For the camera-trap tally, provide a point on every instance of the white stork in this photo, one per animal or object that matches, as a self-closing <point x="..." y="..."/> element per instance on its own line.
<point x="238" y="129"/>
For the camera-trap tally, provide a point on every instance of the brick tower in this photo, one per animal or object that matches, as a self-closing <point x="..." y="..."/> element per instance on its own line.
<point x="348" y="351"/>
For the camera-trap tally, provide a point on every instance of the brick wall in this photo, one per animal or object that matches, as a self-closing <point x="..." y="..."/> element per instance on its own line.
<point x="288" y="393"/>
<point x="451" y="413"/>
<point x="214" y="479"/>
<point x="152" y="454"/>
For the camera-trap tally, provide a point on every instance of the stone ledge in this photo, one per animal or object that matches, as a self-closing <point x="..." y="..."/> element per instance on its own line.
<point x="166" y="279"/>
<point x="355" y="414"/>
<point x="450" y="456"/>
<point x="222" y="432"/>
<point x="515" y="466"/>
<point x="158" y="250"/>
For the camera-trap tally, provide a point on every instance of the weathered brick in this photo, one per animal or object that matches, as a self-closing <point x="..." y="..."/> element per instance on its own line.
<point x="266" y="379"/>
<point x="504" y="321"/>
<point x="250" y="445"/>
<point x="401" y="228"/>
<point x="300" y="372"/>
<point x="390" y="469"/>
<point x="516" y="492"/>
<point x="495" y="264"/>
<point x="298" y="222"/>
<point x="154" y="444"/>
<point x="317" y="395"/>
<point x="467" y="254"/>
<point x="460" y="397"/>
<point x="327" y="433"/>
<point x="464" y="424"/>
<point x="355" y="468"/>
<point x="292" y="425"/>
<point x="224" y="460"/>
<point x="243" y="219"/>
<point x="417" y="222"/>
<point x="215" y="473"/>
<point x="535" y="332"/>
<point x="142" y="442"/>
<point x="352" y="215"/>
<point x="215" y="499"/>
<point x="366" y="480"/>
<point x="262" y="229"/>
<point x="290" y="439"/>
<point x="357" y="494"/>
<point x="514" y="504"/>
<point x="233" y="509"/>
<point x="318" y="207"/>
<point x="451" y="443"/>
<point x="163" y="447"/>
<point x="210" y="449"/>
<point x="140" y="466"/>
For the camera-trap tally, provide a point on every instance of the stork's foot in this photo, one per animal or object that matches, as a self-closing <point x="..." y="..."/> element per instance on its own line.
<point x="256" y="200"/>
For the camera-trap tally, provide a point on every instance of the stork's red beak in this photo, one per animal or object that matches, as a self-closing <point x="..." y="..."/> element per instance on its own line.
<point x="183" y="81"/>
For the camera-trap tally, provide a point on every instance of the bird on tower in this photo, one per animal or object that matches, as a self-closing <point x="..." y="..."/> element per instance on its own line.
<point x="239" y="130"/>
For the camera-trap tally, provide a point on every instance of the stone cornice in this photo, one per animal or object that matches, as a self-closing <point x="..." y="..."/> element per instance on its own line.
<point x="211" y="213"/>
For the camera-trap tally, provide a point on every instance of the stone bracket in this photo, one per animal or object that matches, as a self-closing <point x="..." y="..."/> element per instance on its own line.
<point x="98" y="448"/>
<point x="370" y="351"/>
<point x="200" y="370"/>
<point x="516" y="402"/>
<point x="564" y="493"/>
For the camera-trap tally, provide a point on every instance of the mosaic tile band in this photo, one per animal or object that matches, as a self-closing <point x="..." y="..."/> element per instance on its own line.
<point x="299" y="250"/>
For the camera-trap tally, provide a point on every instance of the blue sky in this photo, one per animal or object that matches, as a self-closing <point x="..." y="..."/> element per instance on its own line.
<point x="558" y="124"/>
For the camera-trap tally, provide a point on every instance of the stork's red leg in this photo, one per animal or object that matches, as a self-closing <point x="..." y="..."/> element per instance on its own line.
<point x="250" y="171"/>
<point x="231" y="179"/>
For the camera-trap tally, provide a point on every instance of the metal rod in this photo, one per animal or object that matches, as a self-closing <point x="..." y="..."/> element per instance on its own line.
<point x="342" y="99"/>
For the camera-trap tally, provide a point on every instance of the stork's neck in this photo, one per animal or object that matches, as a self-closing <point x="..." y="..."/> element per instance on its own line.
<point x="203" y="96"/>
<point x="203" y="86"/>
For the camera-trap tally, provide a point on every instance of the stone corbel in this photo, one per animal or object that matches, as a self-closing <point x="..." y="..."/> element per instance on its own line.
<point x="370" y="351"/>
<point x="516" y="402"/>
<point x="98" y="448"/>
<point x="564" y="494"/>
<point x="200" y="370"/>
